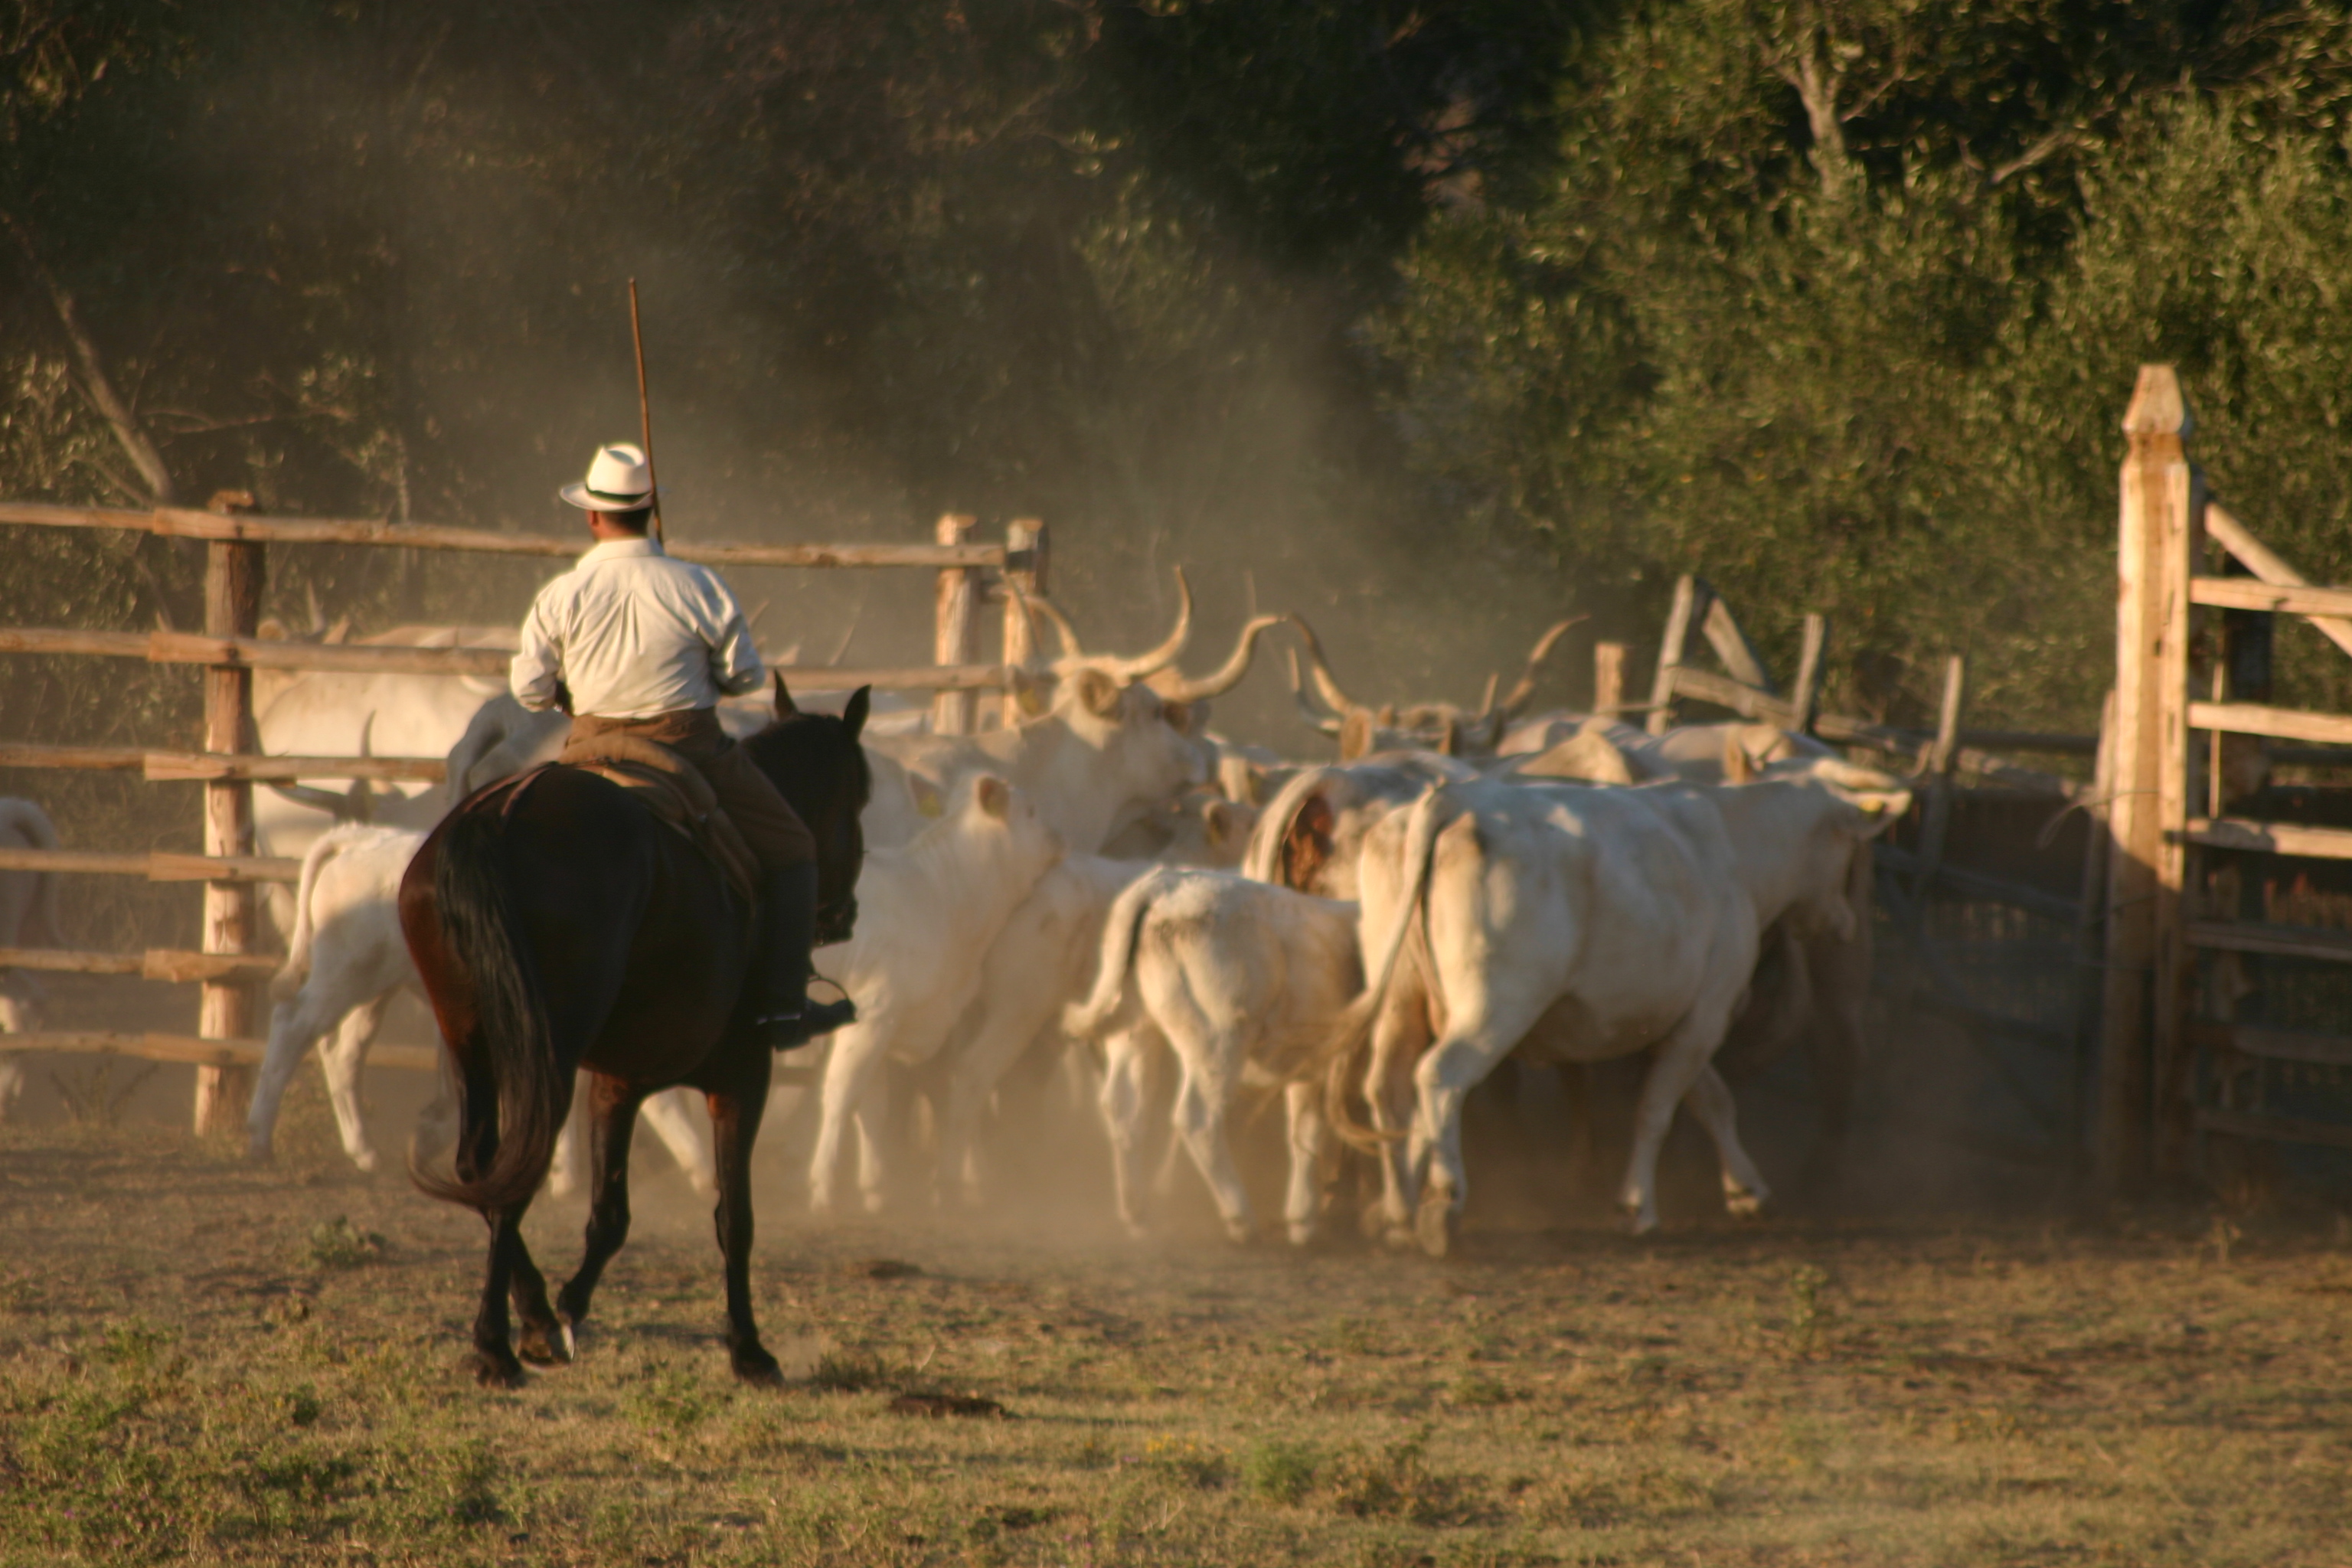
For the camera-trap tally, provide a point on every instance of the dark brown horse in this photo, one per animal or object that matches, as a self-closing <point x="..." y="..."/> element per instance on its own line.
<point x="558" y="926"/>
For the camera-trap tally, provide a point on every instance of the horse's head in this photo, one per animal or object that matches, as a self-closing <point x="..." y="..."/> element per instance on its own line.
<point x="816" y="760"/>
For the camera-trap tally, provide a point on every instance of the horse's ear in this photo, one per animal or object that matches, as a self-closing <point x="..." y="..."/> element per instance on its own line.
<point x="785" y="707"/>
<point x="854" y="714"/>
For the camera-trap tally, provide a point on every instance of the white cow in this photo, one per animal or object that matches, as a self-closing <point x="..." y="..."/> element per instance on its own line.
<point x="1244" y="980"/>
<point x="28" y="917"/>
<point x="926" y="916"/>
<point x="1583" y="923"/>
<point x="346" y="958"/>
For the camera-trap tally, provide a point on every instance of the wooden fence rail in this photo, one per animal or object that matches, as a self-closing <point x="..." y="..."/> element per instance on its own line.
<point x="375" y="658"/>
<point x="181" y="523"/>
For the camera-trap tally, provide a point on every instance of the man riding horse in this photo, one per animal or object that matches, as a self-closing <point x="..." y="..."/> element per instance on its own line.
<point x="561" y="922"/>
<point x="631" y="641"/>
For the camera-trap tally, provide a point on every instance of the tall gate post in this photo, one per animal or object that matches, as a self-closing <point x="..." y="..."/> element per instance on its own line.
<point x="1025" y="575"/>
<point x="955" y="634"/>
<point x="2147" y="951"/>
<point x="233" y="575"/>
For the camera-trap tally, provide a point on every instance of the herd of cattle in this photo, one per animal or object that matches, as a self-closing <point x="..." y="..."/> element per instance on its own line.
<point x="1105" y="878"/>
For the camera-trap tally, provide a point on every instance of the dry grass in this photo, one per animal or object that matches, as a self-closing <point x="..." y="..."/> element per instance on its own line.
<point x="203" y="1361"/>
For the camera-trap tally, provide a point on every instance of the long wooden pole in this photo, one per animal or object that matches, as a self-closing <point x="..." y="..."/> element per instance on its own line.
<point x="955" y="635"/>
<point x="2149" y="756"/>
<point x="225" y="1008"/>
<point x="646" y="413"/>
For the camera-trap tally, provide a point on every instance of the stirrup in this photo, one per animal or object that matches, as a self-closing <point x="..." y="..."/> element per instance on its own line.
<point x="784" y="1031"/>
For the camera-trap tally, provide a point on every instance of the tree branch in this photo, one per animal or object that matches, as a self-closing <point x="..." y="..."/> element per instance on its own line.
<point x="96" y="384"/>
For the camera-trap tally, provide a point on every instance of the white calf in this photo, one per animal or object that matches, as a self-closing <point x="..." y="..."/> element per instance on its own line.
<point x="345" y="960"/>
<point x="1243" y="979"/>
<point x="927" y="914"/>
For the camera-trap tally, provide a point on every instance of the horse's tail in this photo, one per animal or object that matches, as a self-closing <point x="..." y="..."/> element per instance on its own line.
<point x="512" y="1094"/>
<point x="1342" y="1056"/>
<point x="1087" y="1020"/>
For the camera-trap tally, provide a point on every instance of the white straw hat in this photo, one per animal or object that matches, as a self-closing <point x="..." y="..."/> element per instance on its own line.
<point x="618" y="481"/>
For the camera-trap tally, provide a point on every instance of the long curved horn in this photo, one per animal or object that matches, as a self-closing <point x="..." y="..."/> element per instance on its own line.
<point x="1536" y="656"/>
<point x="1038" y="604"/>
<point x="1173" y="685"/>
<point x="360" y="798"/>
<point x="1325" y="686"/>
<point x="1327" y="722"/>
<point x="1163" y="656"/>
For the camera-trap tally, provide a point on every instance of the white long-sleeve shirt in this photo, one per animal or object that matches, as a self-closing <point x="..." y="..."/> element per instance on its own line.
<point x="633" y="633"/>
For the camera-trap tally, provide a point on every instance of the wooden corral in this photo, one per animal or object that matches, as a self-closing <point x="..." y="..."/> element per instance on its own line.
<point x="230" y="966"/>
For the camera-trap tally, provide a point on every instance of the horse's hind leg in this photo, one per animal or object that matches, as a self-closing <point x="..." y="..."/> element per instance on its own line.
<point x="545" y="1339"/>
<point x="736" y="1107"/>
<point x="511" y="1271"/>
<point x="612" y="1123"/>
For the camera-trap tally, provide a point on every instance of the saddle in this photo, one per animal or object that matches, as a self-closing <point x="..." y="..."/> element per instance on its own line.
<point x="663" y="781"/>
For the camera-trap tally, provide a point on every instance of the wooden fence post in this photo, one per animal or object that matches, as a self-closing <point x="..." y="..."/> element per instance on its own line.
<point x="1935" y="821"/>
<point x="1025" y="541"/>
<point x="955" y="632"/>
<point x="1608" y="679"/>
<point x="233" y="577"/>
<point x="1806" y="697"/>
<point x="1671" y="649"/>
<point x="2146" y="950"/>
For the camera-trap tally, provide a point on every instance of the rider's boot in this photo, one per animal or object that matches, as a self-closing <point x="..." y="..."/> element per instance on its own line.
<point x="782" y="969"/>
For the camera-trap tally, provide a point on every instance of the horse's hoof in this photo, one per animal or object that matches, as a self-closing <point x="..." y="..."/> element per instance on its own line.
<point x="1434" y="1227"/>
<point x="756" y="1369"/>
<point x="1640" y="1222"/>
<point x="258" y="1152"/>
<point x="1301" y="1235"/>
<point x="366" y="1160"/>
<point x="545" y="1345"/>
<point x="1240" y="1232"/>
<point x="874" y="1202"/>
<point x="495" y="1369"/>
<point x="1747" y="1206"/>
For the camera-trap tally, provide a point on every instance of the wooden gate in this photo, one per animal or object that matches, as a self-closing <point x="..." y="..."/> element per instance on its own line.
<point x="2225" y="992"/>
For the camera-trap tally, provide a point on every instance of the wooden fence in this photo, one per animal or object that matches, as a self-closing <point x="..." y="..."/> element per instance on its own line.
<point x="2204" y="953"/>
<point x="228" y="967"/>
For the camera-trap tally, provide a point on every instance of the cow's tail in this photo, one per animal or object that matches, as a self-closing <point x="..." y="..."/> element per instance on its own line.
<point x="297" y="967"/>
<point x="41" y="915"/>
<point x="1340" y="1059"/>
<point x="1089" y="1019"/>
<point x="512" y="1093"/>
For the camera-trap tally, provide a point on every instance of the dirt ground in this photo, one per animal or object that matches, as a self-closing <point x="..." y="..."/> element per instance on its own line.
<point x="205" y="1361"/>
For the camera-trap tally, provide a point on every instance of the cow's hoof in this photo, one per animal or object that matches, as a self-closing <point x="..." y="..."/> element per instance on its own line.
<point x="1436" y="1228"/>
<point x="495" y="1367"/>
<point x="755" y="1368"/>
<point x="545" y="1345"/>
